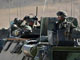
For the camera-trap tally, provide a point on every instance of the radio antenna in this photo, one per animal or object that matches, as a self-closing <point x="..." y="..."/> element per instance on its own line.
<point x="71" y="7"/>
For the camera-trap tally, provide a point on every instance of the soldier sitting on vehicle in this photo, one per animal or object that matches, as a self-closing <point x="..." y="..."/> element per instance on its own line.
<point x="35" y="19"/>
<point x="60" y="33"/>
<point x="61" y="18"/>
<point x="64" y="26"/>
<point x="30" y="20"/>
<point x="25" y="20"/>
<point x="25" y="23"/>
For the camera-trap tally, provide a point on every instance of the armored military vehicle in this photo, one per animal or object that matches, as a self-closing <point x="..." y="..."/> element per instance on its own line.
<point x="55" y="44"/>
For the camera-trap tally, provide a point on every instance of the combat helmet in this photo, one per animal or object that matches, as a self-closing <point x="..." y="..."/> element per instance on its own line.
<point x="61" y="13"/>
<point x="26" y="17"/>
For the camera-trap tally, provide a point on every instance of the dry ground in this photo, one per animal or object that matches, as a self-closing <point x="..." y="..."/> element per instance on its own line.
<point x="20" y="8"/>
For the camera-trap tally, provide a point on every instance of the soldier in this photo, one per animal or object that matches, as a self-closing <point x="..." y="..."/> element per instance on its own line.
<point x="25" y="20"/>
<point x="65" y="26"/>
<point x="33" y="21"/>
<point x="61" y="18"/>
<point x="29" y="20"/>
<point x="26" y="23"/>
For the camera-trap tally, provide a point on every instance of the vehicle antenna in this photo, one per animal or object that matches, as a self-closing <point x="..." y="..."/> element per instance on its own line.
<point x="71" y="7"/>
<point x="45" y="3"/>
<point x="79" y="13"/>
<point x="9" y="17"/>
<point x="17" y="9"/>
